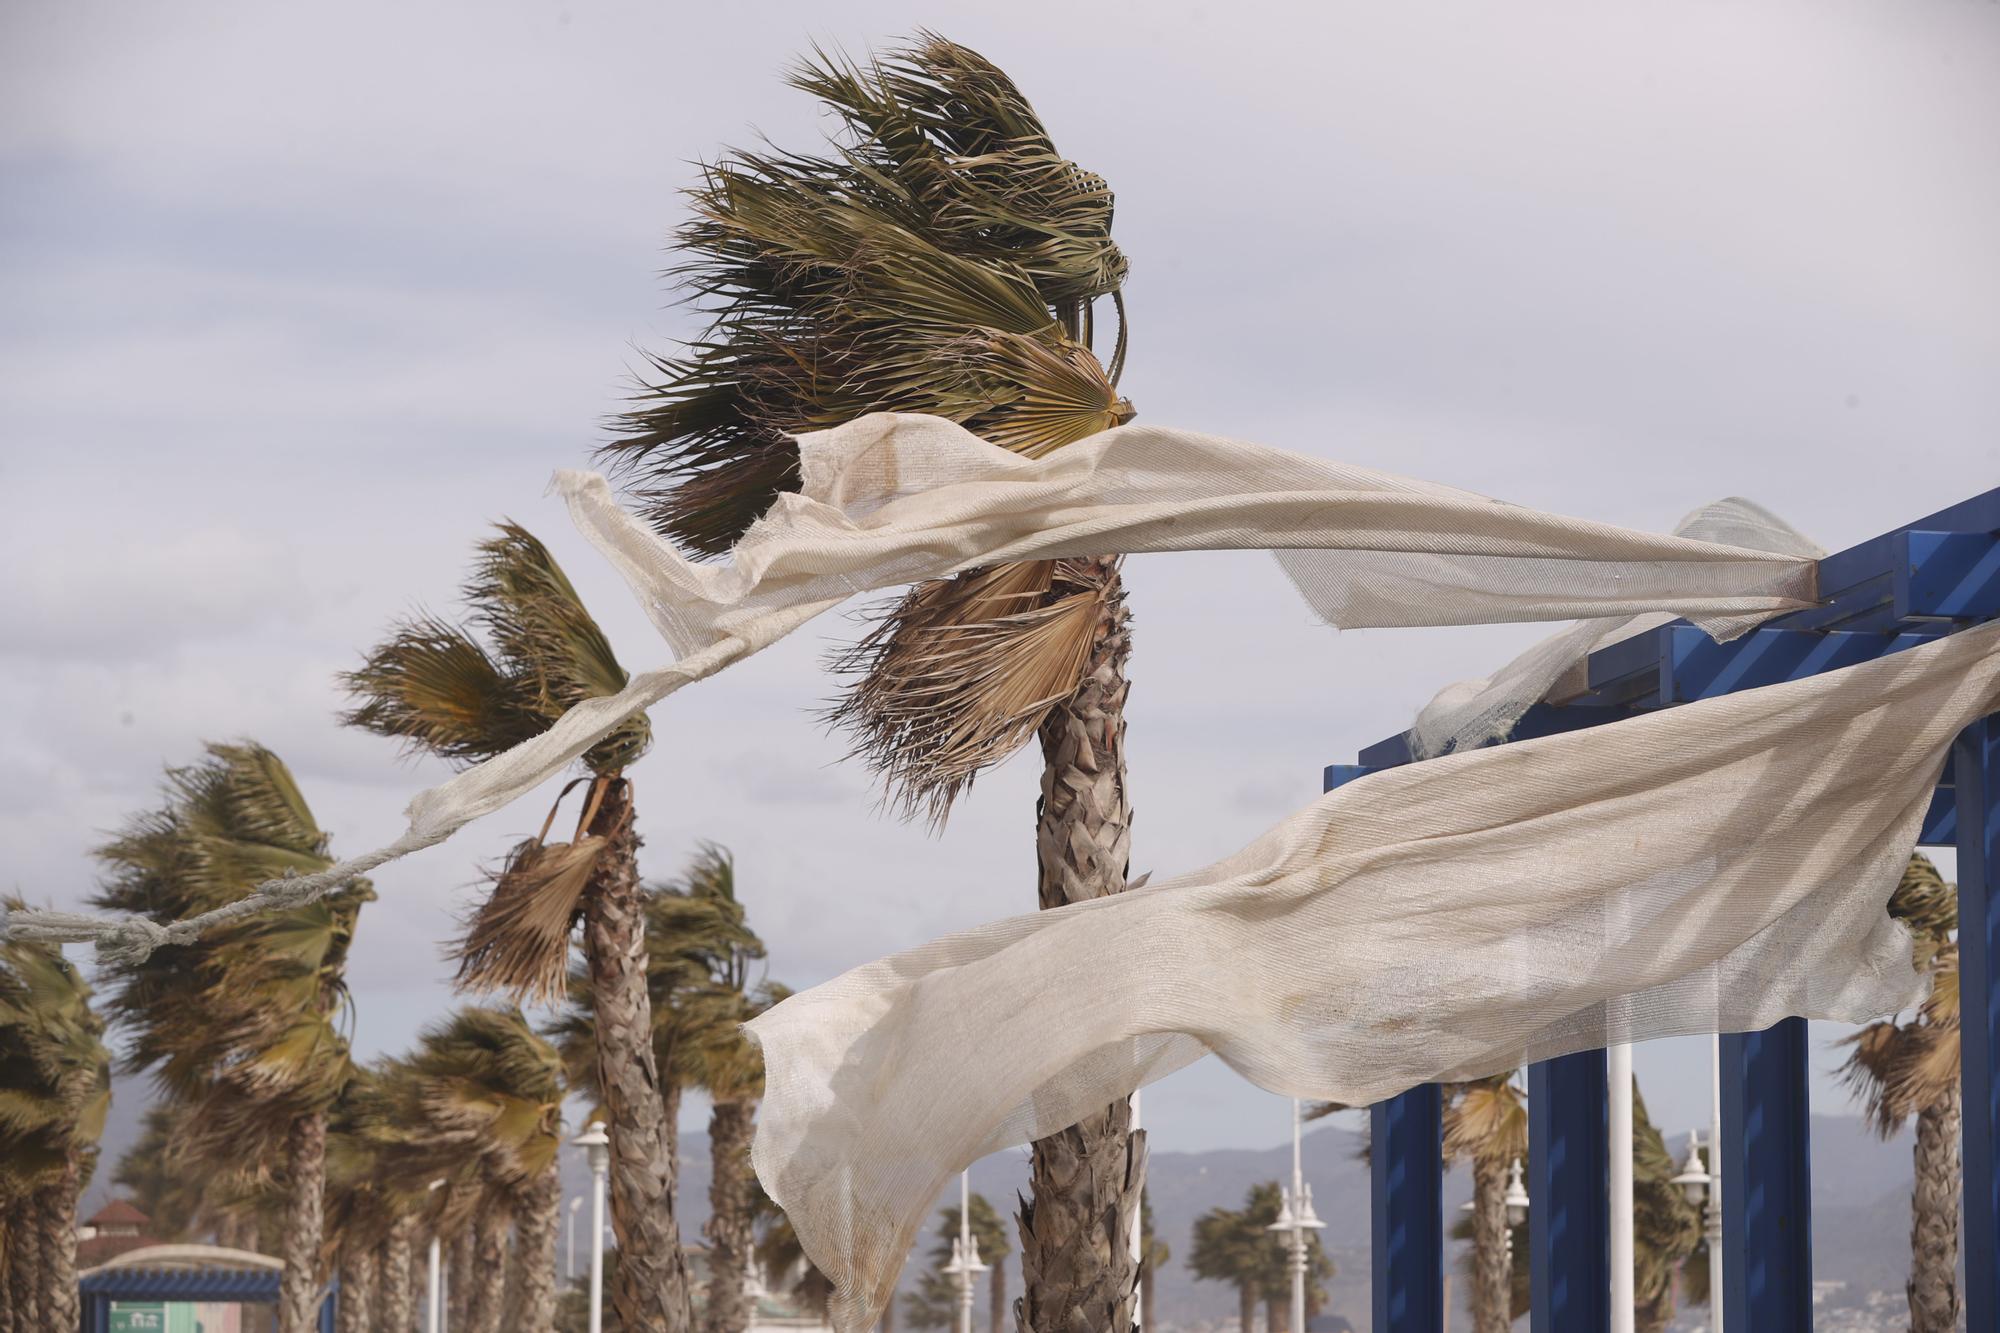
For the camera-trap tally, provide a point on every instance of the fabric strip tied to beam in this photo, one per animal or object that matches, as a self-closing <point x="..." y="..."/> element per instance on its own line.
<point x="1715" y="867"/>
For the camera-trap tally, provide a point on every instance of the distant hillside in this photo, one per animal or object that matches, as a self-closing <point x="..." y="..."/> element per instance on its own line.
<point x="1861" y="1202"/>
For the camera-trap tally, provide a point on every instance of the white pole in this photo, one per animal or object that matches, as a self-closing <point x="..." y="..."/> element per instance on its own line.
<point x="1298" y="1219"/>
<point x="1714" y="1218"/>
<point x="1619" y="1061"/>
<point x="569" y="1245"/>
<point x="600" y="1167"/>
<point x="434" y="1320"/>
<point x="965" y="1250"/>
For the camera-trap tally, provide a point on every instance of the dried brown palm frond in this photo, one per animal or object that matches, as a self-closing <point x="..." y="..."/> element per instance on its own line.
<point x="963" y="672"/>
<point x="1486" y="1120"/>
<point x="940" y="257"/>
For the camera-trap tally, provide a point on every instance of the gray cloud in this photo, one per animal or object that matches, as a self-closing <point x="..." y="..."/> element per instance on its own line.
<point x="297" y="301"/>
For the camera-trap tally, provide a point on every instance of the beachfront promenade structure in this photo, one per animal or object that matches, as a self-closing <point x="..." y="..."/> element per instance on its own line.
<point x="1935" y="576"/>
<point x="136" y="1289"/>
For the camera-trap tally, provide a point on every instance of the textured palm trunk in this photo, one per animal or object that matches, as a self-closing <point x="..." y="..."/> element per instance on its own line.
<point x="1492" y="1283"/>
<point x="651" y="1290"/>
<point x="11" y="1283"/>
<point x="355" y="1311"/>
<point x="1933" y="1289"/>
<point x="60" y="1306"/>
<point x="728" y="1230"/>
<point x="535" y="1250"/>
<point x="996" y="1296"/>
<point x="1149" y="1310"/>
<point x="1246" y="1309"/>
<point x="1277" y="1314"/>
<point x="397" y="1296"/>
<point x="459" y="1281"/>
<point x="1077" y="1270"/>
<point x="305" y="1209"/>
<point x="485" y="1302"/>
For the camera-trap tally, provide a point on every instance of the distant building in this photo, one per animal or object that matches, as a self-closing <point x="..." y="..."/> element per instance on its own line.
<point x="116" y="1228"/>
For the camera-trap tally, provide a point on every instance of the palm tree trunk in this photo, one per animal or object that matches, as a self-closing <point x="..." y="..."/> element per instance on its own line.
<point x="56" y="1203"/>
<point x="1277" y="1314"/>
<point x="485" y="1303"/>
<point x="1077" y="1270"/>
<point x="305" y="1202"/>
<point x="1933" y="1288"/>
<point x="24" y="1284"/>
<point x="1246" y="1308"/>
<point x="996" y="1296"/>
<point x="10" y="1242"/>
<point x="459" y="1281"/>
<point x="1492" y="1284"/>
<point x="728" y="1229"/>
<point x="355" y="1310"/>
<point x="394" y="1298"/>
<point x="1149" y="1311"/>
<point x="535" y="1249"/>
<point x="651" y="1290"/>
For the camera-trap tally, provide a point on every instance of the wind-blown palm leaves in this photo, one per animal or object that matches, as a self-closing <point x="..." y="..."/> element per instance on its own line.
<point x="935" y="1302"/>
<point x="435" y="684"/>
<point x="55" y="1087"/>
<point x="940" y="257"/>
<point x="244" y="1027"/>
<point x="1237" y="1246"/>
<point x="1911" y="1069"/>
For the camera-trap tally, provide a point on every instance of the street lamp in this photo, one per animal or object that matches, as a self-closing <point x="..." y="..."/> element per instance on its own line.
<point x="1295" y="1215"/>
<point x="964" y="1262"/>
<point x="434" y="1316"/>
<point x="569" y="1255"/>
<point x="1701" y="1182"/>
<point x="596" y="1146"/>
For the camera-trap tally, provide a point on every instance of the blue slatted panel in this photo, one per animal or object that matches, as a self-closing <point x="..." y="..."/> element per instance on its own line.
<point x="1976" y="767"/>
<point x="1767" y="1182"/>
<point x="1406" y="1163"/>
<point x="1569" y="1220"/>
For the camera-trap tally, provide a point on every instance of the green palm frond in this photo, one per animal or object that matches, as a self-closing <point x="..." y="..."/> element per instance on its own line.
<point x="940" y="256"/>
<point x="55" y="1073"/>
<point x="433" y="684"/>
<point x="1896" y="1069"/>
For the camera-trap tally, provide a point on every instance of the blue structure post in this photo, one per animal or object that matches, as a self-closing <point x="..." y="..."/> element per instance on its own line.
<point x="1407" y="1169"/>
<point x="1569" y="1222"/>
<point x="1766" y="1181"/>
<point x="1976" y="779"/>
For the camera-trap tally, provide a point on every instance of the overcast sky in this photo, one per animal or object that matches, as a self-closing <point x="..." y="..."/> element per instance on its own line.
<point x="298" y="299"/>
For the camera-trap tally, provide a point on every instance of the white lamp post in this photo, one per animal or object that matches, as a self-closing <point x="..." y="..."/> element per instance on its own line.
<point x="1703" y="1184"/>
<point x="569" y="1254"/>
<point x="964" y="1262"/>
<point x="1295" y="1214"/>
<point x="596" y="1146"/>
<point x="434" y="1315"/>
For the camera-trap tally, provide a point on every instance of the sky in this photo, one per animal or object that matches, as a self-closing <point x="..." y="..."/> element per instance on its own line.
<point x="295" y="301"/>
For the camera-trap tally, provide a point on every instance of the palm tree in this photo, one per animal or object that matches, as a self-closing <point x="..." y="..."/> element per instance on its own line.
<point x="479" y="1104"/>
<point x="942" y="257"/>
<point x="1486" y="1122"/>
<point x="1904" y="1069"/>
<point x="784" y="1263"/>
<point x="1666" y="1228"/>
<point x="55" y="1088"/>
<point x="436" y="685"/>
<point x="243" y="1027"/>
<point x="1237" y="1246"/>
<point x="694" y="927"/>
<point x="935" y="1302"/>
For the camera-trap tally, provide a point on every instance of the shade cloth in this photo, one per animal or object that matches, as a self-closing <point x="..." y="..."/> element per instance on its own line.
<point x="1715" y="867"/>
<point x="894" y="498"/>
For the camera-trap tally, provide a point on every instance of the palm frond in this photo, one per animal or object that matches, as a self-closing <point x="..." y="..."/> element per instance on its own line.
<point x="518" y="939"/>
<point x="963" y="672"/>
<point x="939" y="257"/>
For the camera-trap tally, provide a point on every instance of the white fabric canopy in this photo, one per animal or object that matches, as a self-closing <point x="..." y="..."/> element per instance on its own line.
<point x="892" y="499"/>
<point x="1715" y="867"/>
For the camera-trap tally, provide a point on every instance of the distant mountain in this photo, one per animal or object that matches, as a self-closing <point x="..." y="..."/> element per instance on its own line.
<point x="1861" y="1201"/>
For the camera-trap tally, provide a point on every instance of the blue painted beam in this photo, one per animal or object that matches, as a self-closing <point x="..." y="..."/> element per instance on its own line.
<point x="1766" y="1181"/>
<point x="1976" y="770"/>
<point x="1569" y="1217"/>
<point x="1946" y="575"/>
<point x="1677" y="664"/>
<point x="1406" y="1167"/>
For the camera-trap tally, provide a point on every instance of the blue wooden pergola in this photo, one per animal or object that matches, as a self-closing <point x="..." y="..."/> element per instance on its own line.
<point x="1935" y="576"/>
<point x="255" y="1286"/>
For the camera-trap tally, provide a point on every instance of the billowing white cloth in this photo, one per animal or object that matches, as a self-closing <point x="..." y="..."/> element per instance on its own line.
<point x="892" y="499"/>
<point x="1476" y="712"/>
<point x="1714" y="867"/>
